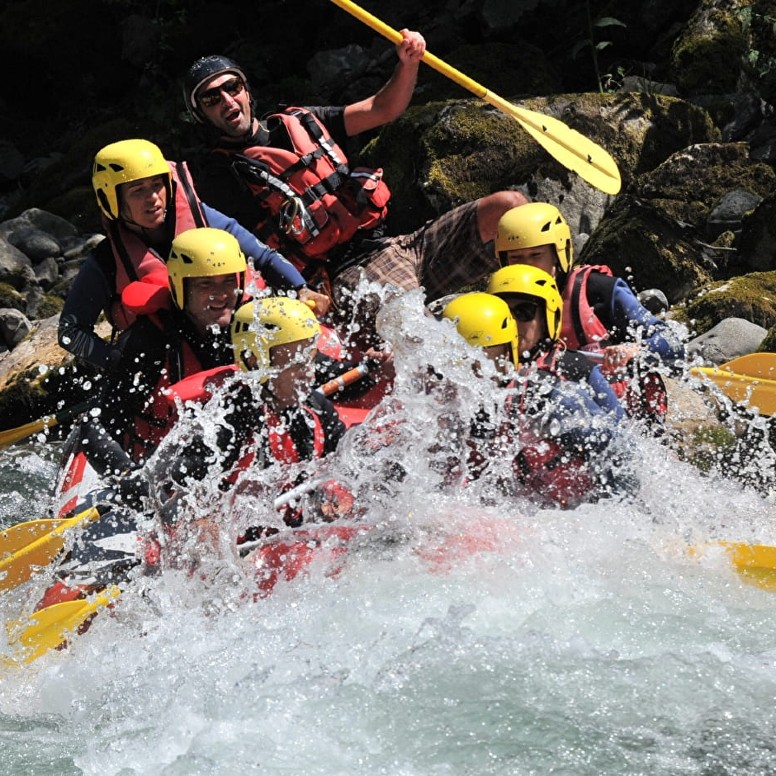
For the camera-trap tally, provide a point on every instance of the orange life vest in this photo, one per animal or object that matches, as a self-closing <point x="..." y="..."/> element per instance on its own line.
<point x="314" y="200"/>
<point x="134" y="259"/>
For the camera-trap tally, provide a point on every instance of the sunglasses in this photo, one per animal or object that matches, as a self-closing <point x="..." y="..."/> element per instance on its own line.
<point x="524" y="311"/>
<point x="212" y="97"/>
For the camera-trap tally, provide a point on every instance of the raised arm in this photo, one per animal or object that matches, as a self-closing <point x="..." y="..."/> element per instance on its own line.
<point x="394" y="97"/>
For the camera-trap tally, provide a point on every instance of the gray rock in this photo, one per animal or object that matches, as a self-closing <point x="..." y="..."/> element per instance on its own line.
<point x="729" y="212"/>
<point x="15" y="267"/>
<point x="654" y="300"/>
<point x="47" y="272"/>
<point x="729" y="339"/>
<point x="54" y="225"/>
<point x="34" y="243"/>
<point x="14" y="326"/>
<point x="80" y="247"/>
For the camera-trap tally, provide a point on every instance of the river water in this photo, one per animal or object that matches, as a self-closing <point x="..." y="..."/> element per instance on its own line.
<point x="466" y="634"/>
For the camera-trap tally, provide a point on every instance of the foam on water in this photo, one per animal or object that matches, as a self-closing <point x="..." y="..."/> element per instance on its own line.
<point x="462" y="635"/>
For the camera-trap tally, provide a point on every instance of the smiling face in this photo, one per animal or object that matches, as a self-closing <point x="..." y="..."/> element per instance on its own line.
<point x="226" y="104"/>
<point x="210" y="301"/>
<point x="143" y="203"/>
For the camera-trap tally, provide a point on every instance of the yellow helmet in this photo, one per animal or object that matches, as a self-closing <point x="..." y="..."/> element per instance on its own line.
<point x="124" y="162"/>
<point x="536" y="223"/>
<point x="260" y="325"/>
<point x="483" y="320"/>
<point x="523" y="281"/>
<point x="200" y="253"/>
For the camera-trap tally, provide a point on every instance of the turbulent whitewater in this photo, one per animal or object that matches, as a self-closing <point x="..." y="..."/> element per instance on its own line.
<point x="466" y="633"/>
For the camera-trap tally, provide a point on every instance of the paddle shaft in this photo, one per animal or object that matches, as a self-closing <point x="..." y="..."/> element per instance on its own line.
<point x="344" y="380"/>
<point x="11" y="435"/>
<point x="567" y="146"/>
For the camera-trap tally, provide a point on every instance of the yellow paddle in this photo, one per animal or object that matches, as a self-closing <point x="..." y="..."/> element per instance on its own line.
<point x="749" y="380"/>
<point x="755" y="562"/>
<point x="49" y="628"/>
<point x="11" y="435"/>
<point x="572" y="149"/>
<point x="26" y="547"/>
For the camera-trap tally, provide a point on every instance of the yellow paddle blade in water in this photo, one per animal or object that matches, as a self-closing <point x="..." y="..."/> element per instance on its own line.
<point x="755" y="562"/>
<point x="756" y="392"/>
<point x="573" y="150"/>
<point x="51" y="627"/>
<point x="26" y="547"/>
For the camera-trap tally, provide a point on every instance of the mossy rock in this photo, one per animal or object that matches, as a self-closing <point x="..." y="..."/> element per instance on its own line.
<point x="655" y="235"/>
<point x="51" y="304"/>
<point x="12" y="299"/>
<point x="707" y="58"/>
<point x="752" y="297"/>
<point x="768" y="345"/>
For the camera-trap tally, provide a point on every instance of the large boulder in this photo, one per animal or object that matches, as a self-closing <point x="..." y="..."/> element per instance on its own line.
<point x="658" y="235"/>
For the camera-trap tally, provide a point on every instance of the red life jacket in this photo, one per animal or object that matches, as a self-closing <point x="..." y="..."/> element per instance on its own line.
<point x="281" y="445"/>
<point x="134" y="259"/>
<point x="198" y="388"/>
<point x="314" y="201"/>
<point x="545" y="472"/>
<point x="581" y="328"/>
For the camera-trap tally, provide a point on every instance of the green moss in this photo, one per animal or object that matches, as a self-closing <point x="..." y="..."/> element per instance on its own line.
<point x="752" y="297"/>
<point x="50" y="305"/>
<point x="708" y="446"/>
<point x="768" y="345"/>
<point x="708" y="57"/>
<point x="11" y="298"/>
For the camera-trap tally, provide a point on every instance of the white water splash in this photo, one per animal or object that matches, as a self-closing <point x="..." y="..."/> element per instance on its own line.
<point x="460" y="636"/>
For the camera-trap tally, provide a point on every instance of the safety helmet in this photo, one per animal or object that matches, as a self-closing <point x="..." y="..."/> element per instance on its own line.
<point x="203" y="70"/>
<point x="260" y="325"/>
<point x="532" y="224"/>
<point x="199" y="253"/>
<point x="526" y="281"/>
<point x="124" y="162"/>
<point x="483" y="320"/>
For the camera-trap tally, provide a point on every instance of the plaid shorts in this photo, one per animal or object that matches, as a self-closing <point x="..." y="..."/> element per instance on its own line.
<point x="442" y="256"/>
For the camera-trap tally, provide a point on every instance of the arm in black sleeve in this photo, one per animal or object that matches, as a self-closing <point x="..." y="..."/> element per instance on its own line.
<point x="333" y="427"/>
<point x="87" y="298"/>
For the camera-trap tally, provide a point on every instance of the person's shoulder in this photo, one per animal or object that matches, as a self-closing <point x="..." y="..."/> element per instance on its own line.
<point x="601" y="281"/>
<point x="332" y="117"/>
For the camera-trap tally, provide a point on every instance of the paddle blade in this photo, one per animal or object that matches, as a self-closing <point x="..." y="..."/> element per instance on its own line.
<point x="754" y="365"/>
<point x="573" y="150"/>
<point x="755" y="562"/>
<point x="27" y="547"/>
<point x="51" y="627"/>
<point x="754" y="392"/>
<point x="567" y="146"/>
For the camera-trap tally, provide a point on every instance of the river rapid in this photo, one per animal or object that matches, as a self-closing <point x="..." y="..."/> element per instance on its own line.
<point x="466" y="633"/>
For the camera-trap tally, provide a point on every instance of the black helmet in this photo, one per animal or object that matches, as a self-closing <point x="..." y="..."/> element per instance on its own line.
<point x="203" y="70"/>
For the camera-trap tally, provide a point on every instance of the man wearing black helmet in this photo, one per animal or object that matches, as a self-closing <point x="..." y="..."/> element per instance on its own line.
<point x="287" y="179"/>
